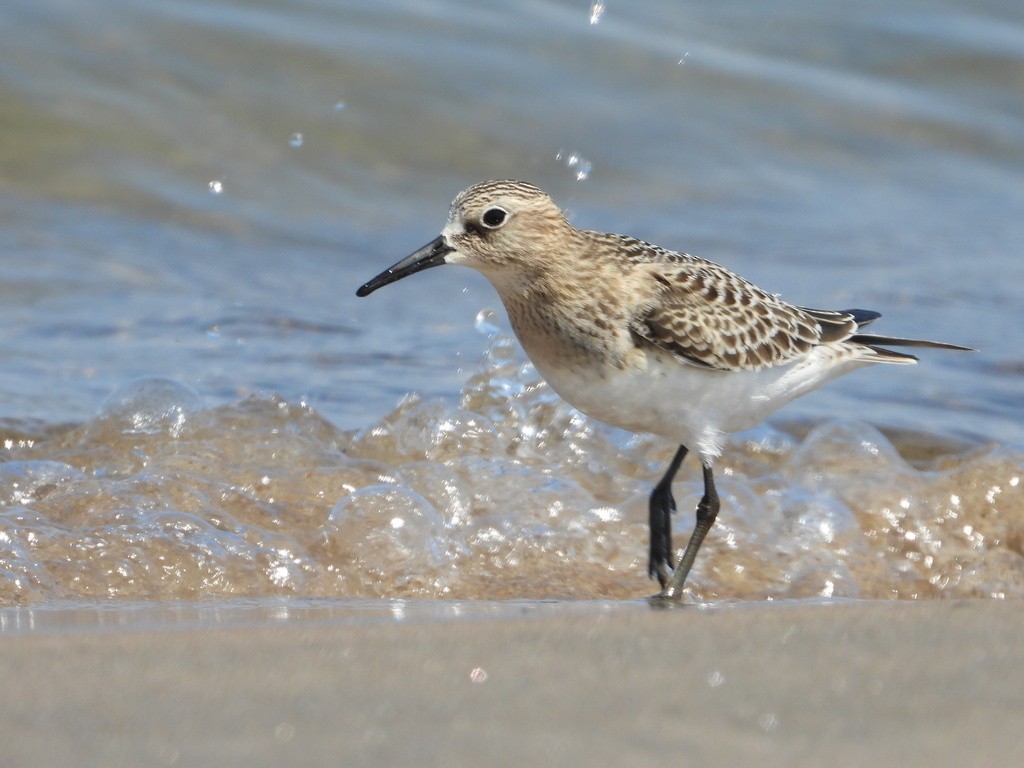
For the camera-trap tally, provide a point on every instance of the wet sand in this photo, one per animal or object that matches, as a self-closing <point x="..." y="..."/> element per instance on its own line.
<point x="890" y="683"/>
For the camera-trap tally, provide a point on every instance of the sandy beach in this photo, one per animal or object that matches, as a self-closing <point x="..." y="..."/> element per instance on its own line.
<point x="889" y="683"/>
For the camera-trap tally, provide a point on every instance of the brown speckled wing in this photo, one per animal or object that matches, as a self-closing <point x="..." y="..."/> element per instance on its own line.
<point x="708" y="316"/>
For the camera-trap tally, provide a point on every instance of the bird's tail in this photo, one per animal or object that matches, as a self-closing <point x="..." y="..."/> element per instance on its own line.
<point x="875" y="343"/>
<point x="845" y="324"/>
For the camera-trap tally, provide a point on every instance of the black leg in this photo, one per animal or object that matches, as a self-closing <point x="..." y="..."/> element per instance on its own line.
<point x="707" y="511"/>
<point x="662" y="505"/>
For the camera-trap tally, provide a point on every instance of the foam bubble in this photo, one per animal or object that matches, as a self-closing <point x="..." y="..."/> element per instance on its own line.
<point x="150" y="406"/>
<point x="502" y="492"/>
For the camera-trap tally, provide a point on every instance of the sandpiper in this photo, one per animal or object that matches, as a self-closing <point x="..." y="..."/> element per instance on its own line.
<point x="647" y="339"/>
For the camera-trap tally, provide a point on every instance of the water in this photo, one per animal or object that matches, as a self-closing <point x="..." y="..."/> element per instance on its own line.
<point x="195" y="405"/>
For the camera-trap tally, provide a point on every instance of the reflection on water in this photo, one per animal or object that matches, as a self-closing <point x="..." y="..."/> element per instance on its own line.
<point x="76" y="616"/>
<point x="508" y="493"/>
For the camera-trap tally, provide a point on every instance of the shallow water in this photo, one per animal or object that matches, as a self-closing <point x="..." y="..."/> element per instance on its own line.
<point x="195" y="406"/>
<point x="507" y="493"/>
<point x="76" y="617"/>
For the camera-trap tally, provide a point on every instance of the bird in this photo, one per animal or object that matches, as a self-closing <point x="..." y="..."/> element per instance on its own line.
<point x="648" y="339"/>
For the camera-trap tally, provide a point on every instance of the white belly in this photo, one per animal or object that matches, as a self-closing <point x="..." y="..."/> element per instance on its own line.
<point x="686" y="404"/>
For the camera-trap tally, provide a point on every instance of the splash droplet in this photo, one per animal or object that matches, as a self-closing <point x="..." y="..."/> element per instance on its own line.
<point x="596" y="11"/>
<point x="576" y="163"/>
<point x="296" y="140"/>
<point x="485" y="323"/>
<point x="216" y="187"/>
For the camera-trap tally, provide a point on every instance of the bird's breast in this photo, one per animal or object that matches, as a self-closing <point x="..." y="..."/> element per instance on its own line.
<point x="585" y="330"/>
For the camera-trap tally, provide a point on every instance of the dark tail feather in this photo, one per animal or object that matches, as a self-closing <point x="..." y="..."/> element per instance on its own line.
<point x="862" y="317"/>
<point x="839" y="325"/>
<point x="842" y="316"/>
<point x="870" y="340"/>
<point x="845" y="325"/>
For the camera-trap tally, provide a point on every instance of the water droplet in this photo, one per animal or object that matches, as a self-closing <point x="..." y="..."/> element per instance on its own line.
<point x="216" y="187"/>
<point x="296" y="140"/>
<point x="339" y="106"/>
<point x="485" y="323"/>
<point x="575" y="162"/>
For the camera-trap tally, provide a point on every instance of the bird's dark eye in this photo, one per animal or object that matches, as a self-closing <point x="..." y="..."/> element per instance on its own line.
<point x="494" y="217"/>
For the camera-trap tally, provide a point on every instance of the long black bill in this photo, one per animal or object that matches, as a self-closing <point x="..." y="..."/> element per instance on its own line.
<point x="430" y="255"/>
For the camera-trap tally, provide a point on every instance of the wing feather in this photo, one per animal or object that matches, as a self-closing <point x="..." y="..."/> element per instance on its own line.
<point x="708" y="316"/>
